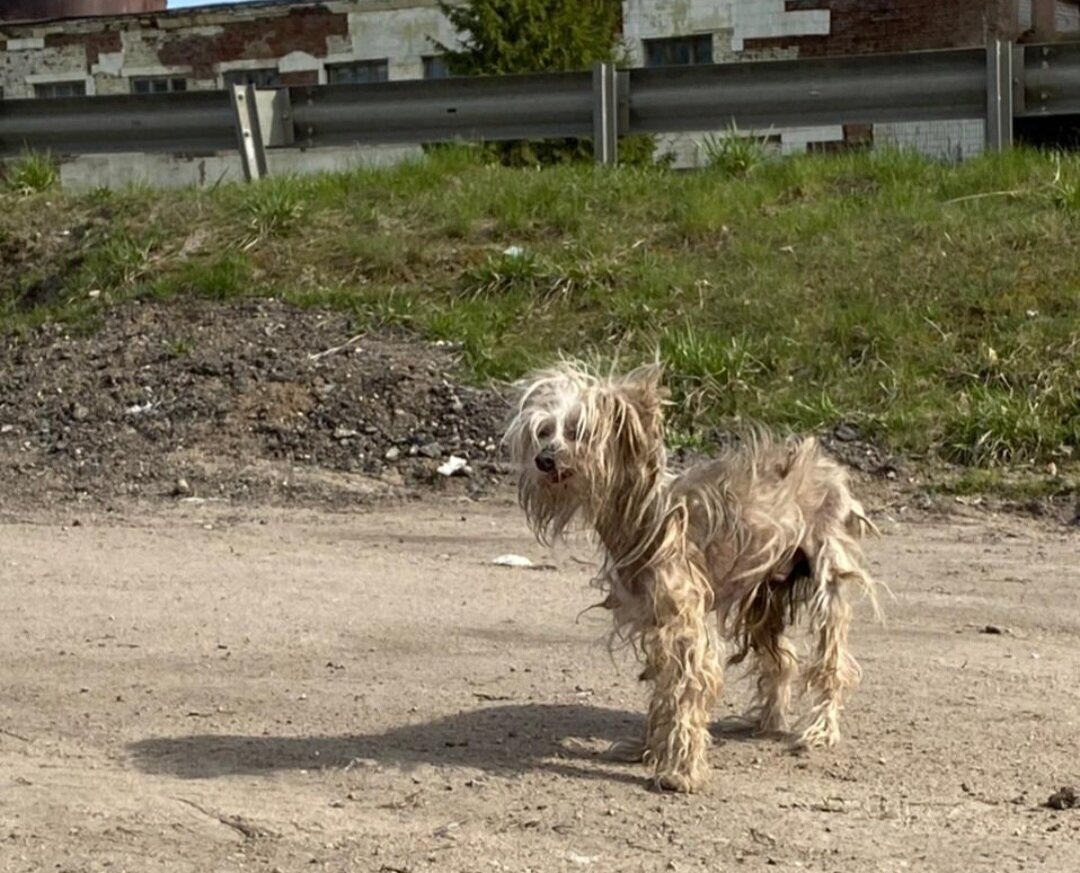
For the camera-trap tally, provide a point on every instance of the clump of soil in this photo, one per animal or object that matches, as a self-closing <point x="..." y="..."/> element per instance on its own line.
<point x="1065" y="798"/>
<point x="253" y="399"/>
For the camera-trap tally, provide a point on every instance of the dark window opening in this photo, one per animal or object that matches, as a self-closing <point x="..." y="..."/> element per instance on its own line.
<point x="263" y="77"/>
<point x="75" y="88"/>
<point x="157" y="84"/>
<point x="357" y="72"/>
<point x="679" y="51"/>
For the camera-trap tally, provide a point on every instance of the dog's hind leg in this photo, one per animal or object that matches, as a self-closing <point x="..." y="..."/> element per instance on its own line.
<point x="777" y="666"/>
<point x="682" y="664"/>
<point x="833" y="670"/>
<point x="762" y="620"/>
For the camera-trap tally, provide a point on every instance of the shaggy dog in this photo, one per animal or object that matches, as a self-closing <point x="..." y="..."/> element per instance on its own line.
<point x="763" y="533"/>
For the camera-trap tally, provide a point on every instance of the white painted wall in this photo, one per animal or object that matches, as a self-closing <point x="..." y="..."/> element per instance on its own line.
<point x="731" y="22"/>
<point x="1067" y="16"/>
<point x="402" y="36"/>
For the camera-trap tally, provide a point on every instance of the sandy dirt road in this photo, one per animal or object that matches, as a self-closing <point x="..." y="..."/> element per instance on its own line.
<point x="198" y="688"/>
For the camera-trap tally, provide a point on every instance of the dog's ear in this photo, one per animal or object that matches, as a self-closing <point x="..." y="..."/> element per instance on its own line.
<point x="644" y="388"/>
<point x="649" y="376"/>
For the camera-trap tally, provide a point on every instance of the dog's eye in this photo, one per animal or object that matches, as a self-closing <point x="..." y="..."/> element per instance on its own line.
<point x="545" y="431"/>
<point x="571" y="431"/>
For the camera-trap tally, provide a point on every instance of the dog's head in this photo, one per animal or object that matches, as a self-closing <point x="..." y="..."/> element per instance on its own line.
<point x="579" y="440"/>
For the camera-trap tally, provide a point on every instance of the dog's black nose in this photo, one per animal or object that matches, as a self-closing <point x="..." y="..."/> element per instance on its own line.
<point x="545" y="463"/>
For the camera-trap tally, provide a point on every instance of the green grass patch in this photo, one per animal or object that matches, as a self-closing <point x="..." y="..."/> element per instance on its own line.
<point x="30" y="173"/>
<point x="937" y="306"/>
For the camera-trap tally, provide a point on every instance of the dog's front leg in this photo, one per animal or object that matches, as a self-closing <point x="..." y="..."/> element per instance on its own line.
<point x="687" y="679"/>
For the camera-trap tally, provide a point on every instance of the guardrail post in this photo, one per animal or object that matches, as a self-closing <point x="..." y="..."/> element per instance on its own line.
<point x="249" y="132"/>
<point x="999" y="95"/>
<point x="605" y="114"/>
<point x="274" y="109"/>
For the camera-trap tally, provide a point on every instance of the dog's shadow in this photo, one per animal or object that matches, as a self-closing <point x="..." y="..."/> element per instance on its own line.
<point x="507" y="739"/>
<point x="568" y="739"/>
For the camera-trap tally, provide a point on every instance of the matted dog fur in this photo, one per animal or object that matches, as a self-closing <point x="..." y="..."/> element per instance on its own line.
<point x="765" y="532"/>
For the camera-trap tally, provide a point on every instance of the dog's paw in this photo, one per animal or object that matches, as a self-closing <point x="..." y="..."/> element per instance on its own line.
<point x="816" y="736"/>
<point x="626" y="751"/>
<point x="676" y="782"/>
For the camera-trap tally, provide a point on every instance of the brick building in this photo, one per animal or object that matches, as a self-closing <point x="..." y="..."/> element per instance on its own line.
<point x="268" y="43"/>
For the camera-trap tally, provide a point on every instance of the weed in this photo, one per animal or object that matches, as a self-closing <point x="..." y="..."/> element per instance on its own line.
<point x="274" y="207"/>
<point x="31" y="173"/>
<point x="734" y="154"/>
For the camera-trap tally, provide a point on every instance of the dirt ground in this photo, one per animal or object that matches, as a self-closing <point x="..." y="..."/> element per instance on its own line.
<point x="254" y="400"/>
<point x="197" y="687"/>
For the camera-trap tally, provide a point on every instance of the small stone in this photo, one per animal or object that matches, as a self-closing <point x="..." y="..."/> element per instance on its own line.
<point x="846" y="433"/>
<point x="392" y="453"/>
<point x="431" y="450"/>
<point x="1064" y="798"/>
<point x="80" y="413"/>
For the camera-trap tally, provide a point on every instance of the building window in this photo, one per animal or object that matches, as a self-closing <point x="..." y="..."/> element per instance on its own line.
<point x="679" y="51"/>
<point x="76" y="88"/>
<point x="263" y="77"/>
<point x="435" y="67"/>
<point x="157" y="84"/>
<point x="357" y="72"/>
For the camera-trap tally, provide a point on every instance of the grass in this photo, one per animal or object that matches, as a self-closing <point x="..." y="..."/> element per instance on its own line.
<point x="935" y="306"/>
<point x="30" y="173"/>
<point x="734" y="154"/>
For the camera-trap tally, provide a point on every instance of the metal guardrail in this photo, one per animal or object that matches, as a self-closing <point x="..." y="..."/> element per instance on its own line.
<point x="920" y="86"/>
<point x="1048" y="80"/>
<point x="424" y="110"/>
<point x="194" y="121"/>
<point x="999" y="83"/>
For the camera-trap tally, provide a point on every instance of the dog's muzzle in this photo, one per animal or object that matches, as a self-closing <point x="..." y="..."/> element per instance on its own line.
<point x="546" y="464"/>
